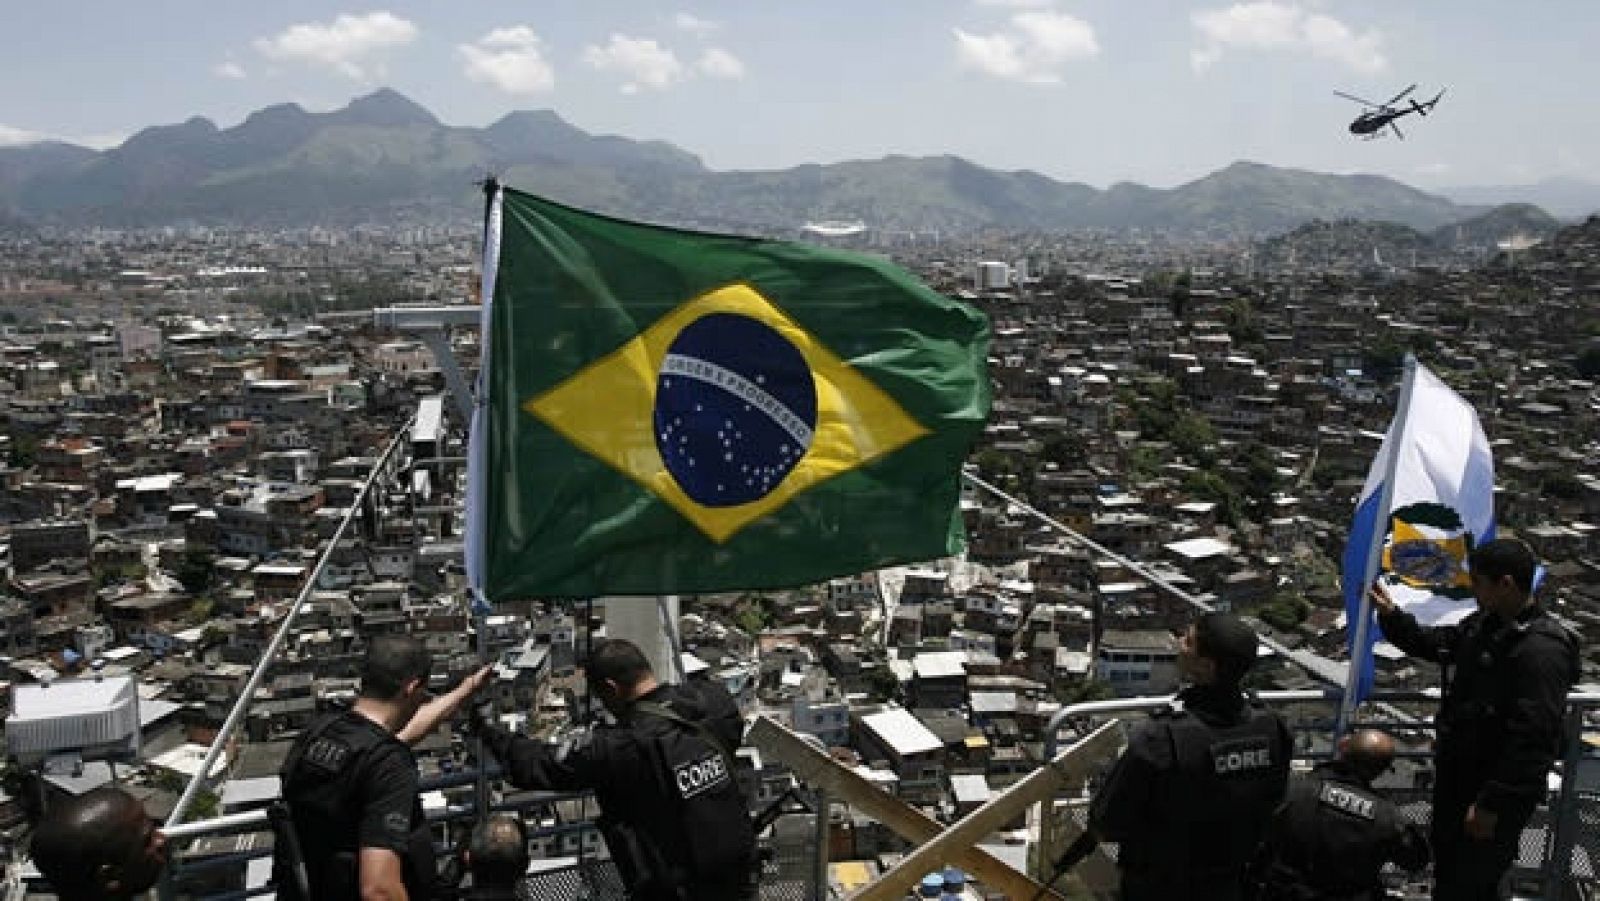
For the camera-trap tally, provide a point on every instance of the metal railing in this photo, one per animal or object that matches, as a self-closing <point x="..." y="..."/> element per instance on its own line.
<point x="1563" y="838"/>
<point x="1561" y="847"/>
<point x="786" y="877"/>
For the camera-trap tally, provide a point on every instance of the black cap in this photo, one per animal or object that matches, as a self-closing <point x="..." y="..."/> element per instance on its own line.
<point x="1225" y="640"/>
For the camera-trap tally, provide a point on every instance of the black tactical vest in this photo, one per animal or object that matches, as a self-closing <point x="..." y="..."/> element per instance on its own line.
<point x="1335" y="838"/>
<point x="700" y="820"/>
<point x="321" y="778"/>
<point x="1225" y="782"/>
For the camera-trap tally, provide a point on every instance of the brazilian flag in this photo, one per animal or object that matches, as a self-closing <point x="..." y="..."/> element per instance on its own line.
<point x="665" y="411"/>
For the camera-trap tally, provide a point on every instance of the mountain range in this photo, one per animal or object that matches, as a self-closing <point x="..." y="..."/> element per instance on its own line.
<point x="384" y="156"/>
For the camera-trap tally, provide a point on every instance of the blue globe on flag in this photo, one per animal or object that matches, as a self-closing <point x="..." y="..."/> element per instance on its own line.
<point x="735" y="409"/>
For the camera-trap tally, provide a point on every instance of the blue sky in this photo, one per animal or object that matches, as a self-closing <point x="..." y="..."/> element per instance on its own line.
<point x="1155" y="91"/>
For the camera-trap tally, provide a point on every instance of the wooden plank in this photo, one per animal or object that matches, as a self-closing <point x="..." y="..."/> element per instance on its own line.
<point x="816" y="768"/>
<point x="1069" y="766"/>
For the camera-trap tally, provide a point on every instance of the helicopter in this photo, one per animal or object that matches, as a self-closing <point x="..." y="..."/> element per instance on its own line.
<point x="1372" y="120"/>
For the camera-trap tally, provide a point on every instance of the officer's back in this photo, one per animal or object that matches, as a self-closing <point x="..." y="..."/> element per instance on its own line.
<point x="1334" y="834"/>
<point x="1190" y="798"/>
<point x="351" y="789"/>
<point x="673" y="816"/>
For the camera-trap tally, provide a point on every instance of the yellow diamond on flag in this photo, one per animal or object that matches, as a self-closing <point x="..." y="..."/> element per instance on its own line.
<point x="726" y="409"/>
<point x="1425" y="557"/>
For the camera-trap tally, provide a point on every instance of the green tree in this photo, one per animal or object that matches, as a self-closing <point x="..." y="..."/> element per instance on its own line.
<point x="195" y="570"/>
<point x="883" y="684"/>
<point x="1383" y="358"/>
<point x="1208" y="485"/>
<point x="1588" y="362"/>
<point x="1260" y="476"/>
<point x="199" y="611"/>
<point x="1083" y="691"/>
<point x="24" y="450"/>
<point x="1064" y="449"/>
<point x="1193" y="437"/>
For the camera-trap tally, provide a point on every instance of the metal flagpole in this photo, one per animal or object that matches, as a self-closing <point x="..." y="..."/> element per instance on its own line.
<point x="1363" y="624"/>
<point x="478" y="453"/>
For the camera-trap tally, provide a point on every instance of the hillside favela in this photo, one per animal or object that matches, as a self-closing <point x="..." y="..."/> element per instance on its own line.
<point x="1056" y="454"/>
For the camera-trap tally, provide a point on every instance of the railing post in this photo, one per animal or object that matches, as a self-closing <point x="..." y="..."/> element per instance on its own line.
<point x="1564" y="819"/>
<point x="819" y="888"/>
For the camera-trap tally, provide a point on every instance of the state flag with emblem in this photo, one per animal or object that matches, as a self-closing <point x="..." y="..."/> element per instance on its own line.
<point x="1427" y="502"/>
<point x="663" y="411"/>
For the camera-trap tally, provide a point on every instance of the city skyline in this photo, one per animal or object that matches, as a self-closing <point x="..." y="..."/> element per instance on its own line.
<point x="1079" y="90"/>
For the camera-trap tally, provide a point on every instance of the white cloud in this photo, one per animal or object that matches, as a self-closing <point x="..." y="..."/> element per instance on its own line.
<point x="694" y="24"/>
<point x="1271" y="25"/>
<point x="351" y="45"/>
<point x="1035" y="48"/>
<point x="509" y="59"/>
<point x="228" y="69"/>
<point x="17" y="137"/>
<point x="719" y="63"/>
<point x="641" y="61"/>
<point x="1017" y="4"/>
<point x="102" y="141"/>
<point x="1434" y="169"/>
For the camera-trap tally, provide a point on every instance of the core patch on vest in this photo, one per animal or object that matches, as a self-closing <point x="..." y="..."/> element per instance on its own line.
<point x="1242" y="756"/>
<point x="1347" y="801"/>
<point x="699" y="776"/>
<point x="327" y="755"/>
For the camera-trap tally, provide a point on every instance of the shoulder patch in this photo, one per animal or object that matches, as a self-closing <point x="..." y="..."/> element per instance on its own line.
<point x="397" y="823"/>
<point x="1347" y="801"/>
<point x="1245" y="756"/>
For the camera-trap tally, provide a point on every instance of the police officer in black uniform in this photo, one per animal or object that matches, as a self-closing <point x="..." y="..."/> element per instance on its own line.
<point x="673" y="816"/>
<point x="1333" y="833"/>
<point x="1191" y="796"/>
<point x="1507" y="669"/>
<point x="350" y="786"/>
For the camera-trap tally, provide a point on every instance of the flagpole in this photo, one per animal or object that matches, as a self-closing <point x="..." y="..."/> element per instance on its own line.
<point x="478" y="457"/>
<point x="1359" y="652"/>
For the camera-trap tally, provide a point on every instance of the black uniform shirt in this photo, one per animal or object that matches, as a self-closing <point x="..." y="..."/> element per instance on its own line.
<point x="343" y="801"/>
<point x="1500" y="722"/>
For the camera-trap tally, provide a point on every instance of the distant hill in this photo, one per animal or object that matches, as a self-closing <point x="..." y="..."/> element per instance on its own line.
<point x="1575" y="246"/>
<point x="1511" y="220"/>
<point x="384" y="155"/>
<point x="1347" y="242"/>
<point x="1568" y="198"/>
<point x="1359" y="242"/>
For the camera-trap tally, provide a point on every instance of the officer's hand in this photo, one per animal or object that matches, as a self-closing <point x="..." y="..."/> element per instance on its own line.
<point x="1380" y="598"/>
<point x="1480" y="823"/>
<point x="475" y="682"/>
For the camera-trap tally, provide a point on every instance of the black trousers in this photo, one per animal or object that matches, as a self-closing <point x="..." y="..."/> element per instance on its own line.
<point x="1467" y="868"/>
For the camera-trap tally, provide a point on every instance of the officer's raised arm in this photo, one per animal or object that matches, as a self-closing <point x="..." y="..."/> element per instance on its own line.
<point x="1404" y="632"/>
<point x="437" y="710"/>
<point x="573" y="765"/>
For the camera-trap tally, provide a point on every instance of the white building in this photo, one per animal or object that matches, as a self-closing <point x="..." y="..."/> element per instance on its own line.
<point x="1138" y="662"/>
<point x="991" y="276"/>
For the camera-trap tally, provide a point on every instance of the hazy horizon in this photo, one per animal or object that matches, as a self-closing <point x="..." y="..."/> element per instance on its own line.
<point x="1092" y="91"/>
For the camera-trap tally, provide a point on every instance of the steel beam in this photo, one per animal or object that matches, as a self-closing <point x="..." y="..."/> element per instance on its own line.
<point x="961" y="839"/>
<point x="821" y="771"/>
